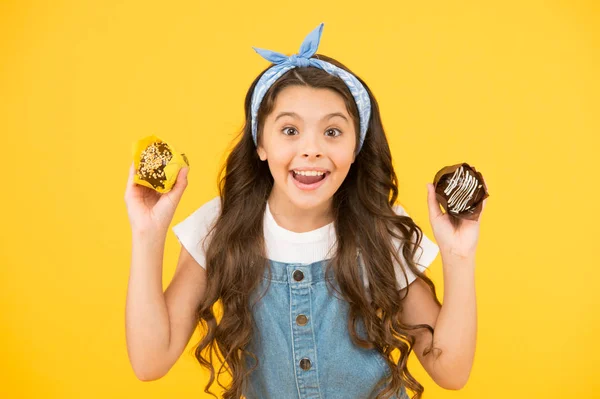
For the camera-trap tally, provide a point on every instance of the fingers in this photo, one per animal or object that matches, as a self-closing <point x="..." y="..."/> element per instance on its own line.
<point x="173" y="197"/>
<point x="181" y="181"/>
<point x="434" y="205"/>
<point x="131" y="172"/>
<point x="130" y="178"/>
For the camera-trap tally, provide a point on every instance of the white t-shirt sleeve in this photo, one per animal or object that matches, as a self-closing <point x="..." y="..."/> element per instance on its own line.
<point x="193" y="230"/>
<point x="425" y="255"/>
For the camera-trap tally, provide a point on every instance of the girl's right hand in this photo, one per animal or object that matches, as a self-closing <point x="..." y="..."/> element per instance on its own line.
<point x="149" y="210"/>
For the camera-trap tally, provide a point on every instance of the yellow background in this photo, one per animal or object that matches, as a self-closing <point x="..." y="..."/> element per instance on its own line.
<point x="511" y="87"/>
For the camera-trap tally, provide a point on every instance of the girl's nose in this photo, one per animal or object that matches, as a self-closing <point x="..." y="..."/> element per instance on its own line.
<point x="311" y="145"/>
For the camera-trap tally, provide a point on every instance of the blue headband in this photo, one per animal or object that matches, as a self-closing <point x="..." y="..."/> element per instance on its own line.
<point x="284" y="63"/>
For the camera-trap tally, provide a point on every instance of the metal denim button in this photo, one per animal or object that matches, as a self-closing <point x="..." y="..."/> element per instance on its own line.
<point x="301" y="319"/>
<point x="298" y="275"/>
<point x="305" y="363"/>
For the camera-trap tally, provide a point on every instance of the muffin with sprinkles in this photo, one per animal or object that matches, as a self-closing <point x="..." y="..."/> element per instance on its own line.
<point x="157" y="163"/>
<point x="460" y="189"/>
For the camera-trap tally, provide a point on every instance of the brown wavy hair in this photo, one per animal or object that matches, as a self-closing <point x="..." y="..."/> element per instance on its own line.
<point x="363" y="218"/>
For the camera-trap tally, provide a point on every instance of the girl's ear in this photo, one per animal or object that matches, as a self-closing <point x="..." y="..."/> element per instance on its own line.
<point x="261" y="153"/>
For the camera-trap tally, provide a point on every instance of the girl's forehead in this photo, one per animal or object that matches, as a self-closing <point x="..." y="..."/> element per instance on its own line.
<point x="308" y="102"/>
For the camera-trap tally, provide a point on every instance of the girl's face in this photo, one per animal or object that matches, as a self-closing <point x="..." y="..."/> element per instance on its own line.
<point x="308" y="129"/>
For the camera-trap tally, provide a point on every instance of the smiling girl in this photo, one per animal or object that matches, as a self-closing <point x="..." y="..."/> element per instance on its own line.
<point x="319" y="272"/>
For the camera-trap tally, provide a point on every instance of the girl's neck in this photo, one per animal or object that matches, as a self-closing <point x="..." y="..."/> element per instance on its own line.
<point x="298" y="220"/>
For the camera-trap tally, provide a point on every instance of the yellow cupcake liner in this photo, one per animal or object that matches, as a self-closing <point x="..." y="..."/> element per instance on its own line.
<point x="157" y="163"/>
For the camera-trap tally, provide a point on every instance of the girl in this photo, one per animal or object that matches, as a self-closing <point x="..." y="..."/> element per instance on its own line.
<point x="319" y="273"/>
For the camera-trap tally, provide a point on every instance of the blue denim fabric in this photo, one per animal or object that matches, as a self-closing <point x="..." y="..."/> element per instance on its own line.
<point x="334" y="368"/>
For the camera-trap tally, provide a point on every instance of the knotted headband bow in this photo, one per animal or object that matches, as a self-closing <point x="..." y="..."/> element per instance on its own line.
<point x="284" y="63"/>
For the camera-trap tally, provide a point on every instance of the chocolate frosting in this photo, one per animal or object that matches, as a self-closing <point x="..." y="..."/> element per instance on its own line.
<point x="152" y="163"/>
<point x="460" y="189"/>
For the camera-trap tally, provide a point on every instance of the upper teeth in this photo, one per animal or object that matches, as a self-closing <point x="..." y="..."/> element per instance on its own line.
<point x="308" y="172"/>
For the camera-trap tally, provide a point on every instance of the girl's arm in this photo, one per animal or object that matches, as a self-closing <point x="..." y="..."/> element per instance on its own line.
<point x="159" y="325"/>
<point x="455" y="323"/>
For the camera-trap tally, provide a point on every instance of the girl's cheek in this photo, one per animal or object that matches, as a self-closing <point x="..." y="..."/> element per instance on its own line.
<point x="284" y="156"/>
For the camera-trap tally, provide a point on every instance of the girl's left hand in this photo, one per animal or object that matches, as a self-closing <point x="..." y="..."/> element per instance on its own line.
<point x="460" y="242"/>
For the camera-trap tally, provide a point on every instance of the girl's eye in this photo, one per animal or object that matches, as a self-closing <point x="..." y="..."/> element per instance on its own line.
<point x="335" y="130"/>
<point x="285" y="128"/>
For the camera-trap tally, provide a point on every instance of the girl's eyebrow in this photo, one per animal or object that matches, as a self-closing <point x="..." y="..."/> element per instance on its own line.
<point x="293" y="114"/>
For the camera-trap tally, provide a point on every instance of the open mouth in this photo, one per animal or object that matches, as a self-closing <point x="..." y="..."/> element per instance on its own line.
<point x="308" y="179"/>
<point x="308" y="182"/>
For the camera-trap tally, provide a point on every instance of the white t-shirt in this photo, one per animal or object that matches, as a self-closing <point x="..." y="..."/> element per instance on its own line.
<point x="290" y="247"/>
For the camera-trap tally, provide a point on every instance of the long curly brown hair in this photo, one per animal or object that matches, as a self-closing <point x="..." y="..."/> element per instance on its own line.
<point x="364" y="219"/>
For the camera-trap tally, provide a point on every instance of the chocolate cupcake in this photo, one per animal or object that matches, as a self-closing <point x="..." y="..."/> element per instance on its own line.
<point x="460" y="189"/>
<point x="157" y="164"/>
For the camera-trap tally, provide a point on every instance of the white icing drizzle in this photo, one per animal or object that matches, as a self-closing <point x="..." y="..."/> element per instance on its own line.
<point x="460" y="194"/>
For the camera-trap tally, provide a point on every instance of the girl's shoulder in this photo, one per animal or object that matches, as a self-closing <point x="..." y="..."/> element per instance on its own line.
<point x="206" y="213"/>
<point x="427" y="250"/>
<point x="399" y="209"/>
<point x="193" y="230"/>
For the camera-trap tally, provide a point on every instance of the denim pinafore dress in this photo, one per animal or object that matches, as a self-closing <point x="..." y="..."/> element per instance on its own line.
<point x="302" y="341"/>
